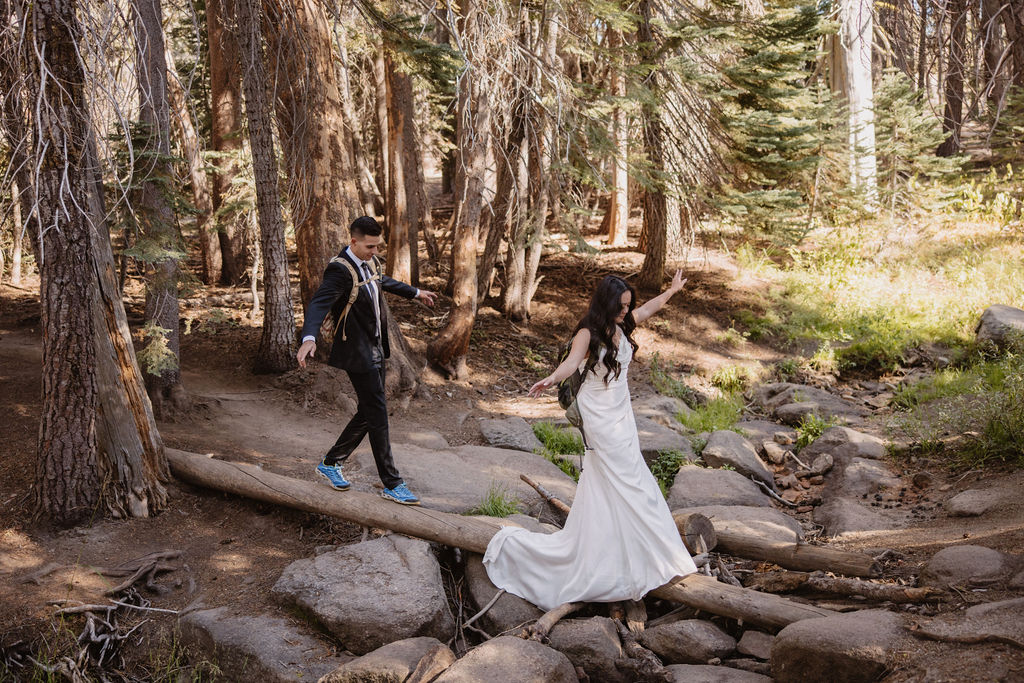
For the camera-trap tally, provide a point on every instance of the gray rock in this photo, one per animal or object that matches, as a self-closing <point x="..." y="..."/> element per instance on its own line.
<point x="689" y="641"/>
<point x="469" y="473"/>
<point x="790" y="403"/>
<point x="843" y="442"/>
<point x="1000" y="322"/>
<point x="424" y="438"/>
<point x="845" y="648"/>
<point x="822" y="464"/>
<point x="775" y="453"/>
<point x="972" y="502"/>
<point x="861" y="476"/>
<point x="392" y="663"/>
<point x="749" y="664"/>
<point x="729" y="448"/>
<point x="842" y="516"/>
<point x="767" y="523"/>
<point x="995" y="621"/>
<point x="695" y="486"/>
<point x="655" y="439"/>
<point x="265" y="648"/>
<point x="591" y="644"/>
<point x="703" y="673"/>
<point x="511" y="660"/>
<point x="508" y="612"/>
<point x="510" y="432"/>
<point x="371" y="593"/>
<point x="756" y="644"/>
<point x="1017" y="582"/>
<point x="759" y="431"/>
<point x="661" y="409"/>
<point x="960" y="564"/>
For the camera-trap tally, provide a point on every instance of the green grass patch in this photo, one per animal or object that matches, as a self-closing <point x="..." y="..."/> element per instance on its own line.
<point x="718" y="413"/>
<point x="665" y="468"/>
<point x="667" y="385"/>
<point x="810" y="428"/>
<point x="497" y="502"/>
<point x="732" y="378"/>
<point x="559" y="442"/>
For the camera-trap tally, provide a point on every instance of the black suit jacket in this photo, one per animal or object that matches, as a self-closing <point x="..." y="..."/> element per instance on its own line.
<point x="355" y="352"/>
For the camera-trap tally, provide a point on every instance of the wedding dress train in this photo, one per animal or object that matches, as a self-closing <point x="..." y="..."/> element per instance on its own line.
<point x="619" y="540"/>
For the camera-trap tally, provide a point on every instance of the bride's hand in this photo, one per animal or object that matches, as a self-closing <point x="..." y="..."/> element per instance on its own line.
<point x="677" y="282"/>
<point x="538" y="388"/>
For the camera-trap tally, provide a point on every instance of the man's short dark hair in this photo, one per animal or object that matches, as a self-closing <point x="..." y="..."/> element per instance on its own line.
<point x="365" y="225"/>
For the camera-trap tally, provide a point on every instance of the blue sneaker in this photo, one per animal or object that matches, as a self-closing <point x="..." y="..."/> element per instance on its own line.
<point x="400" y="494"/>
<point x="334" y="476"/>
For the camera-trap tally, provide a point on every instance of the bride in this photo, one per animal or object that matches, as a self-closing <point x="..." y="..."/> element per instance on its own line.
<point x="620" y="540"/>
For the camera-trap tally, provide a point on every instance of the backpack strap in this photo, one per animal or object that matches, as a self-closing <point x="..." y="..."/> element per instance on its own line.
<point x="354" y="294"/>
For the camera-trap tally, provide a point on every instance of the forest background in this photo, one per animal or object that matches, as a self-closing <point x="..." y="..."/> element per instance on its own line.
<point x="863" y="156"/>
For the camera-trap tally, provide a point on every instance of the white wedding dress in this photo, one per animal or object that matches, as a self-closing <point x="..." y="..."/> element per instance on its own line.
<point x="620" y="540"/>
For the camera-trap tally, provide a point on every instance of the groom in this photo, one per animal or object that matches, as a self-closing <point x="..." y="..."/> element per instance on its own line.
<point x="360" y="348"/>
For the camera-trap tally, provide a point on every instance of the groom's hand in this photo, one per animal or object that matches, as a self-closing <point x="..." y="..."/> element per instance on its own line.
<point x="427" y="297"/>
<point x="307" y="350"/>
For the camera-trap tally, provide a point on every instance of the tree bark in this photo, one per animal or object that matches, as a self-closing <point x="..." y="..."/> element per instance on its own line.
<point x="991" y="31"/>
<point x="922" y="48"/>
<point x="952" y="119"/>
<point x="448" y="350"/>
<point x="156" y="217"/>
<point x="18" y="231"/>
<point x="275" y="350"/>
<point x="655" y="205"/>
<point x="226" y="136"/>
<point x="67" y="475"/>
<point x="382" y="162"/>
<point x="1013" y="22"/>
<point x="784" y="582"/>
<point x="369" y="193"/>
<point x="192" y="152"/>
<point x="459" y="531"/>
<point x="321" y="180"/>
<point x="402" y="206"/>
<point x="855" y="43"/>
<point x="618" y="208"/>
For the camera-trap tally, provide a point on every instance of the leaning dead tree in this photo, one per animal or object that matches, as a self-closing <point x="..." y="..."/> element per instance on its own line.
<point x="469" y="533"/>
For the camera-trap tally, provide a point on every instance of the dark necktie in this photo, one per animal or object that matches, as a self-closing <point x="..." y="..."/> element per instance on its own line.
<point x="371" y="288"/>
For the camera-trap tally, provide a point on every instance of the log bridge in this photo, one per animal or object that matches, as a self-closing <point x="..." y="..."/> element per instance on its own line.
<point x="468" y="533"/>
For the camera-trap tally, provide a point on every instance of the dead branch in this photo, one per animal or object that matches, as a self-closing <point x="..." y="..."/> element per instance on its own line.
<point x="641" y="663"/>
<point x="430" y="666"/>
<point x="784" y="582"/>
<point x="540" y="629"/>
<point x="546" y="495"/>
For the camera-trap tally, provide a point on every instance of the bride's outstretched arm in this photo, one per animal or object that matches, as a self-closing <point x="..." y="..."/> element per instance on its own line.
<point x="654" y="305"/>
<point x="577" y="352"/>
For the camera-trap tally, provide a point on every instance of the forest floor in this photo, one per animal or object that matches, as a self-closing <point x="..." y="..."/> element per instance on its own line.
<point x="234" y="549"/>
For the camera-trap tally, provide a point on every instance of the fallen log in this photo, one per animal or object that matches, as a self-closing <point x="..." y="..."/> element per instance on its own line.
<point x="817" y="581"/>
<point x="790" y="555"/>
<point x="468" y="533"/>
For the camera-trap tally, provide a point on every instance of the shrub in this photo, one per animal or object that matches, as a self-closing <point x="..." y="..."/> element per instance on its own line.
<point x="810" y="428"/>
<point x="497" y="502"/>
<point x="718" y="413"/>
<point x="665" y="468"/>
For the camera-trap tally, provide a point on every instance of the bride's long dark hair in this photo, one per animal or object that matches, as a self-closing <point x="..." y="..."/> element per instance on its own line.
<point x="605" y="306"/>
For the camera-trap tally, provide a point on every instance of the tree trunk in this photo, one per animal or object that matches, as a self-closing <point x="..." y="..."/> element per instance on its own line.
<point x="369" y="193"/>
<point x="655" y="204"/>
<point x="995" y="79"/>
<point x="922" y="49"/>
<point x="156" y="217"/>
<point x="321" y="180"/>
<point x="855" y="42"/>
<point x="448" y="350"/>
<point x="67" y="476"/>
<point x="226" y="136"/>
<point x="381" y="162"/>
<point x="275" y="350"/>
<point x="193" y="154"/>
<point x="18" y="231"/>
<point x="617" y="218"/>
<point x="1013" y="22"/>
<point x="469" y="533"/>
<point x="952" y="120"/>
<point x="402" y="207"/>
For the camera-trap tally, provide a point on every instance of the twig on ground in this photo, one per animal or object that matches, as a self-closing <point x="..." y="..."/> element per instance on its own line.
<point x="771" y="493"/>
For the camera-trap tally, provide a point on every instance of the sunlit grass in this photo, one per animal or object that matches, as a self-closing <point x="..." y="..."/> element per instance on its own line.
<point x="497" y="502"/>
<point x="716" y="414"/>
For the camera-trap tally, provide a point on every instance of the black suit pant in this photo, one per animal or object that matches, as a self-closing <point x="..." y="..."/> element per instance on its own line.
<point x="371" y="418"/>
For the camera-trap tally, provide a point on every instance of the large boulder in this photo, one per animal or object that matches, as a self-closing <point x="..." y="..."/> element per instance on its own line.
<point x="655" y="439"/>
<point x="965" y="564"/>
<point x="845" y="648"/>
<point x="766" y="523"/>
<point x="999" y="323"/>
<point x="510" y="432"/>
<point x="704" y="673"/>
<point x="392" y="663"/>
<point x="257" y="648"/>
<point x="973" y="502"/>
<point x="511" y="660"/>
<point x="842" y="516"/>
<point x="590" y="644"/>
<point x="791" y="403"/>
<point x="756" y="644"/>
<point x="727" y="448"/>
<point x="695" y="486"/>
<point x="843" y="442"/>
<point x="469" y="471"/>
<point x="860" y="477"/>
<point x="995" y="621"/>
<point x="662" y="409"/>
<point x="371" y="593"/>
<point x="688" y="641"/>
<point x="508" y="612"/>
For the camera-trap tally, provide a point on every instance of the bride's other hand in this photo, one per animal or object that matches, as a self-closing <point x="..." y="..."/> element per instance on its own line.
<point x="538" y="388"/>
<point x="677" y="282"/>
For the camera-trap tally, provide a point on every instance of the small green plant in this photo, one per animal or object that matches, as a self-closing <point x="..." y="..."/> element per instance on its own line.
<point x="731" y="337"/>
<point x="787" y="368"/>
<point x="665" y="468"/>
<point x="667" y="385"/>
<point x="156" y="357"/>
<point x="810" y="428"/>
<point x="718" y="413"/>
<point x="732" y="378"/>
<point x="497" y="502"/>
<point x="558" y="440"/>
